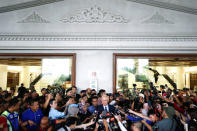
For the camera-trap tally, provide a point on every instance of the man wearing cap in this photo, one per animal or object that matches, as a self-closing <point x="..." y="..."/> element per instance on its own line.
<point x="167" y="123"/>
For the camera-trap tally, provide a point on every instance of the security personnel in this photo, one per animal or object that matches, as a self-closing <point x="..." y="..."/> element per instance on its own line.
<point x="11" y="115"/>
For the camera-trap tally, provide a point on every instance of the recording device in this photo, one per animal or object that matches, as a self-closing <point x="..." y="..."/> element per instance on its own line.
<point x="55" y="90"/>
<point x="127" y="111"/>
<point x="105" y="115"/>
<point x="117" y="112"/>
<point x="94" y="119"/>
<point x="112" y="124"/>
<point x="101" y="125"/>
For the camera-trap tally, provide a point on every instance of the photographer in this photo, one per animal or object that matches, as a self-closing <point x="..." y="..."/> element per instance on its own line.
<point x="167" y="123"/>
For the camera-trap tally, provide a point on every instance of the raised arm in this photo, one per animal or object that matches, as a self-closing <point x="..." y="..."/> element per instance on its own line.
<point x="49" y="97"/>
<point x="85" y="125"/>
<point x="118" y="118"/>
<point x="139" y="114"/>
<point x="147" y="125"/>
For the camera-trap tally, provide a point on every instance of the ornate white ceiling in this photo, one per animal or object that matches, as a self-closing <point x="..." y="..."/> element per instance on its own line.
<point x="129" y="20"/>
<point x="188" y="6"/>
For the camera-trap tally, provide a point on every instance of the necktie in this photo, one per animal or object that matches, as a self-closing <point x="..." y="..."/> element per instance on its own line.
<point x="106" y="108"/>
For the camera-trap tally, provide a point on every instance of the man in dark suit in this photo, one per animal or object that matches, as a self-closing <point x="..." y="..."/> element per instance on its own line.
<point x="105" y="106"/>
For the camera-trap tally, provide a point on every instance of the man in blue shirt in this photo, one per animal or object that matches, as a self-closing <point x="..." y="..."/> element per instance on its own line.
<point x="32" y="116"/>
<point x="94" y="105"/>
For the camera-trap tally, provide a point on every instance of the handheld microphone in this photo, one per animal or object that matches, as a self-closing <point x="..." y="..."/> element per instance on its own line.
<point x="103" y="115"/>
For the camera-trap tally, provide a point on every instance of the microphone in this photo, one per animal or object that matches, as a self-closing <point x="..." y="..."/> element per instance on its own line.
<point x="103" y="114"/>
<point x="112" y="123"/>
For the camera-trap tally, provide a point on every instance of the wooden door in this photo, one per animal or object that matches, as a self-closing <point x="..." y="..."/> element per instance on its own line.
<point x="12" y="79"/>
<point x="193" y="81"/>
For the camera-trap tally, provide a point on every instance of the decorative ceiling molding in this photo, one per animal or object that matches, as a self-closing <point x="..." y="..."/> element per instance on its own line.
<point x="25" y="5"/>
<point x="157" y="18"/>
<point x="94" y="14"/>
<point x="34" y="18"/>
<point x="166" y="5"/>
<point x="157" y="37"/>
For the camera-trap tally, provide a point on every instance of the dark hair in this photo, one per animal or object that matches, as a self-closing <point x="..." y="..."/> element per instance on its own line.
<point x="151" y="112"/>
<point x="83" y="91"/>
<point x="31" y="102"/>
<point x="84" y="96"/>
<point x="7" y="95"/>
<point x="69" y="89"/>
<point x="73" y="87"/>
<point x="2" y="101"/>
<point x="101" y="91"/>
<point x="33" y="91"/>
<point x="43" y="89"/>
<point x="94" y="97"/>
<point x="70" y="121"/>
<point x="109" y="94"/>
<point x="93" y="90"/>
<point x="116" y="95"/>
<point x="13" y="102"/>
<point x="51" y="101"/>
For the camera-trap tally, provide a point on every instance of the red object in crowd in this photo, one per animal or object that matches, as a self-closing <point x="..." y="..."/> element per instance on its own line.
<point x="176" y="107"/>
<point x="3" y="121"/>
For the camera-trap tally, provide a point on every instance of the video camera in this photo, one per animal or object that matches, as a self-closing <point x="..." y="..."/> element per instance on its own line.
<point x="101" y="125"/>
<point x="110" y="119"/>
<point x="55" y="90"/>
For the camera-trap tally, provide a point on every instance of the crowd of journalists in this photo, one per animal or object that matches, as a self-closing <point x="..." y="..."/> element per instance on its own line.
<point x="57" y="109"/>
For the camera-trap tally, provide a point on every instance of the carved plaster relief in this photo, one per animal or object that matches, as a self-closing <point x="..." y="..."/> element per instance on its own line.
<point x="94" y="14"/>
<point x="157" y="18"/>
<point x="34" y="18"/>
